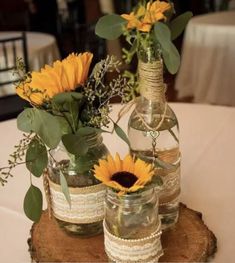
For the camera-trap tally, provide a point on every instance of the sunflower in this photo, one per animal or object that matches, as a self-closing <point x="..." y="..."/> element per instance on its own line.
<point x="125" y="175"/>
<point x="65" y="75"/>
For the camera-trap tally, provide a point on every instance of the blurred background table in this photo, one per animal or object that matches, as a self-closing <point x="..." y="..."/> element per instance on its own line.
<point x="208" y="59"/>
<point x="42" y="49"/>
<point x="208" y="180"/>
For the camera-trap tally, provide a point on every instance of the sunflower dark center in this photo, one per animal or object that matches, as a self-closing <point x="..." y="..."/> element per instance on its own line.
<point x="125" y="179"/>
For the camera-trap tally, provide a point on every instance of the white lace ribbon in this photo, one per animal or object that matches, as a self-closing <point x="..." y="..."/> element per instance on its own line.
<point x="172" y="180"/>
<point x="87" y="203"/>
<point x="148" y="249"/>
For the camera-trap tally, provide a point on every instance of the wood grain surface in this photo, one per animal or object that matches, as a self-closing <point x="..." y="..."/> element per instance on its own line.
<point x="189" y="241"/>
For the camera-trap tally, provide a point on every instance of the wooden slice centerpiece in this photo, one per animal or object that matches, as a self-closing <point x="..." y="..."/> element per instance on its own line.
<point x="189" y="241"/>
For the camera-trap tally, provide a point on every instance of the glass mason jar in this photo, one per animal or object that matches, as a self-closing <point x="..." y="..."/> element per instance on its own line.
<point x="153" y="133"/>
<point x="132" y="229"/>
<point x="86" y="192"/>
<point x="132" y="216"/>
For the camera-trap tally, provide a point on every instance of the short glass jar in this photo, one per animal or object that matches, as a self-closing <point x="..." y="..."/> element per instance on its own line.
<point x="132" y="216"/>
<point x="85" y="216"/>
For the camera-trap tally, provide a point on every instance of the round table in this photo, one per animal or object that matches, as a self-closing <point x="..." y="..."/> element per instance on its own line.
<point x="208" y="59"/>
<point x="42" y="49"/>
<point x="207" y="146"/>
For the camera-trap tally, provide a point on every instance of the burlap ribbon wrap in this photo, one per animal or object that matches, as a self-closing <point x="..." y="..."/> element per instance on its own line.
<point x="119" y="250"/>
<point x="87" y="203"/>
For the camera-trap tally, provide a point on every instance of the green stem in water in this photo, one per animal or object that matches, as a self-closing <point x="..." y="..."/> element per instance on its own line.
<point x="173" y="134"/>
<point x="116" y="228"/>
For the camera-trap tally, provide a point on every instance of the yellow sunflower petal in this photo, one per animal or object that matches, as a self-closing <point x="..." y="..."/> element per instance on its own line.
<point x="33" y="89"/>
<point x="21" y="92"/>
<point x="79" y="71"/>
<point x="100" y="176"/>
<point x="148" y="168"/>
<point x="44" y="81"/>
<point x="86" y="59"/>
<point x="68" y="76"/>
<point x="55" y="76"/>
<point x="58" y="68"/>
<point x="104" y="169"/>
<point x="143" y="181"/>
<point x="139" y="167"/>
<point x="65" y="80"/>
<point x="135" y="188"/>
<point x="37" y="99"/>
<point x="128" y="164"/>
<point x="24" y="92"/>
<point x="111" y="165"/>
<point x="143" y="171"/>
<point x="116" y="186"/>
<point x="118" y="163"/>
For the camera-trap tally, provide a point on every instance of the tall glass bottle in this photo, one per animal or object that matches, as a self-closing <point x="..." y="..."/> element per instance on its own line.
<point x="153" y="133"/>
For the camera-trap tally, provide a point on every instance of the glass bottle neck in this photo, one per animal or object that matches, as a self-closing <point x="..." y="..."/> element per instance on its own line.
<point x="150" y="71"/>
<point x="151" y="84"/>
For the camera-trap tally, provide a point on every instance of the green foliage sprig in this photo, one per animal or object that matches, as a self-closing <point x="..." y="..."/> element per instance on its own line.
<point x="161" y="34"/>
<point x="68" y="117"/>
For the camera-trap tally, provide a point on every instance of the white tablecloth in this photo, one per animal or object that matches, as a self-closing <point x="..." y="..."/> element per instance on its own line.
<point x="208" y="177"/>
<point x="208" y="59"/>
<point x="42" y="49"/>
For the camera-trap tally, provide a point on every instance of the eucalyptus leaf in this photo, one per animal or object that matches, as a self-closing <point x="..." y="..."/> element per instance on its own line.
<point x="47" y="127"/>
<point x="110" y="26"/>
<point x="162" y="164"/>
<point x="75" y="144"/>
<point x="25" y="120"/>
<point x="65" y="188"/>
<point x="84" y="131"/>
<point x="119" y="131"/>
<point x="162" y="35"/>
<point x="65" y="128"/>
<point x="178" y="24"/>
<point x="33" y="203"/>
<point x="73" y="114"/>
<point x="62" y="98"/>
<point x="36" y="158"/>
<point x="171" y="58"/>
<point x="170" y="53"/>
<point x="69" y="103"/>
<point x="85" y="163"/>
